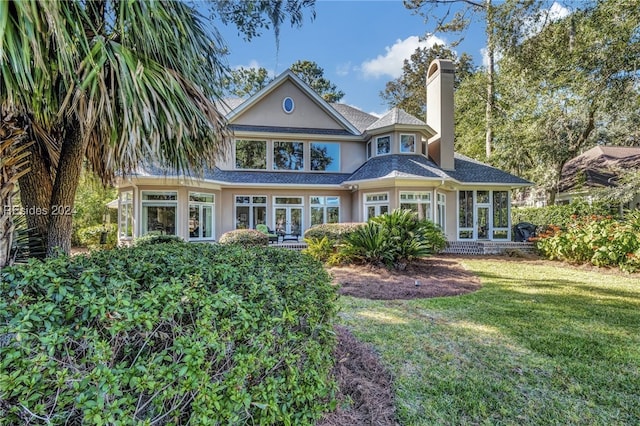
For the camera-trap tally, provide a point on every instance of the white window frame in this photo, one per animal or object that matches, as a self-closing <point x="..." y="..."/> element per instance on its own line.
<point x="201" y="205"/>
<point x="378" y="139"/>
<point x="441" y="210"/>
<point x="336" y="161"/>
<point x="412" y="136"/>
<point x="323" y="204"/>
<point x="125" y="216"/>
<point x="273" y="156"/>
<point x="418" y="197"/>
<point x="235" y="152"/>
<point x="251" y="204"/>
<point x="376" y="200"/>
<point x="158" y="203"/>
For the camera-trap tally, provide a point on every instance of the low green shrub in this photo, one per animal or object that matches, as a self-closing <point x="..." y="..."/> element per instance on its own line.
<point x="394" y="240"/>
<point x="334" y="232"/>
<point x="153" y="239"/>
<point x="245" y="238"/>
<point x="599" y="240"/>
<point x="167" y="334"/>
<point x="90" y="237"/>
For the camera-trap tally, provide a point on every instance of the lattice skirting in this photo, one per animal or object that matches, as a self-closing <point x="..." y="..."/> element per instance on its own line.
<point x="478" y="248"/>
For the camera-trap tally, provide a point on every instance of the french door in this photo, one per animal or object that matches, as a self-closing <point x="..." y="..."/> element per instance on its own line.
<point x="288" y="220"/>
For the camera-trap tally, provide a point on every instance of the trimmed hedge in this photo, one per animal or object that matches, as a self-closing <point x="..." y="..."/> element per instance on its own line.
<point x="153" y="239"/>
<point x="245" y="238"/>
<point x="335" y="232"/>
<point x="557" y="215"/>
<point x="168" y="333"/>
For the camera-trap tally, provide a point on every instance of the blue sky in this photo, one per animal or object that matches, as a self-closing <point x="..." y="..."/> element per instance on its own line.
<point x="360" y="45"/>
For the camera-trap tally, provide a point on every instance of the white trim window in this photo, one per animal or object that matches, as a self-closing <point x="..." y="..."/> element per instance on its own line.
<point x="501" y="229"/>
<point x="125" y="215"/>
<point x="250" y="154"/>
<point x="383" y="145"/>
<point x="369" y="153"/>
<point x="324" y="156"/>
<point x="465" y="215"/>
<point x="417" y="202"/>
<point x="324" y="209"/>
<point x="441" y="210"/>
<point x="201" y="214"/>
<point x="408" y="144"/>
<point x="159" y="212"/>
<point x="288" y="155"/>
<point x="375" y="205"/>
<point x="251" y="210"/>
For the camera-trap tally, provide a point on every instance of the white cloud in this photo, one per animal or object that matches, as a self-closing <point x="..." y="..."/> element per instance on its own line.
<point x="554" y="13"/>
<point x="390" y="64"/>
<point x="255" y="65"/>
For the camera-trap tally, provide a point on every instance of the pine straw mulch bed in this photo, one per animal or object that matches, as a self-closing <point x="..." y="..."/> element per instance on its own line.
<point x="365" y="395"/>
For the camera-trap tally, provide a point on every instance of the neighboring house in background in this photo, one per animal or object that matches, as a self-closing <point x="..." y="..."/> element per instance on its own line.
<point x="600" y="167"/>
<point x="298" y="161"/>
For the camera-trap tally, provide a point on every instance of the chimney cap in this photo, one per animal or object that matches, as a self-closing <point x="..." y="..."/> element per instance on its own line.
<point x="442" y="65"/>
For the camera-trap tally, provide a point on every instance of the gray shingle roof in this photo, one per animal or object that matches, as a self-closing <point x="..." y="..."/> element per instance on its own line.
<point x="360" y="119"/>
<point x="468" y="170"/>
<point x="396" y="116"/>
<point x="253" y="177"/>
<point x="397" y="165"/>
<point x="402" y="165"/>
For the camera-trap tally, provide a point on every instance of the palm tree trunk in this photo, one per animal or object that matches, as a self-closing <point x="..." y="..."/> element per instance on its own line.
<point x="13" y="164"/>
<point x="64" y="192"/>
<point x="35" y="195"/>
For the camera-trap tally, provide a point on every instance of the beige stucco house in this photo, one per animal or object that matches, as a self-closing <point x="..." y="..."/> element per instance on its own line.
<point x="298" y="161"/>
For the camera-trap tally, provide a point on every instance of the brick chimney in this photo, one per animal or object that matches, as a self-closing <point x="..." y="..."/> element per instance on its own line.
<point x="440" y="112"/>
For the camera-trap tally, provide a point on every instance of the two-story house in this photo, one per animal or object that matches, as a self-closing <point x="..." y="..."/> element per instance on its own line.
<point x="298" y="161"/>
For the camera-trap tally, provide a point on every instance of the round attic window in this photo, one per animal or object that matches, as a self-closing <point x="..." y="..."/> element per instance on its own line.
<point x="288" y="105"/>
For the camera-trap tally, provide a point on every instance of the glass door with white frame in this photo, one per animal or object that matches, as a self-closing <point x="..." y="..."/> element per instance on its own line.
<point x="288" y="215"/>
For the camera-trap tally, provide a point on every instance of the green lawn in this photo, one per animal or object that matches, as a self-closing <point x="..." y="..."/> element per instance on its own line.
<point x="543" y="345"/>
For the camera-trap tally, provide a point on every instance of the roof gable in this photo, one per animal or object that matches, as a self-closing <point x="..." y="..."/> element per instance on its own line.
<point x="311" y="111"/>
<point x="598" y="167"/>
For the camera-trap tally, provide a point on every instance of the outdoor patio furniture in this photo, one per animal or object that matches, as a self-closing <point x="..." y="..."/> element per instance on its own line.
<point x="273" y="237"/>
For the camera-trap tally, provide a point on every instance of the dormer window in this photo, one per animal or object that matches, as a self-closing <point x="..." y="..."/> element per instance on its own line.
<point x="383" y="145"/>
<point x="407" y="144"/>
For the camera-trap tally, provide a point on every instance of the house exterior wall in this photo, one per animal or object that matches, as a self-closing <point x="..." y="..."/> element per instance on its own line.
<point x="269" y="112"/>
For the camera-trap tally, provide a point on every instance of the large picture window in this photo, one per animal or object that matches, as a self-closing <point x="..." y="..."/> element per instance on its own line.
<point x="251" y="154"/>
<point x="251" y="210"/>
<point x="288" y="156"/>
<point x="325" y="156"/>
<point x="417" y="202"/>
<point x="125" y="220"/>
<point x="325" y="210"/>
<point x="383" y="145"/>
<point x="159" y="212"/>
<point x="201" y="208"/>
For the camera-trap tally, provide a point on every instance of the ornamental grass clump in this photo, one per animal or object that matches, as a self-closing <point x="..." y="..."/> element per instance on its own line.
<point x="167" y="334"/>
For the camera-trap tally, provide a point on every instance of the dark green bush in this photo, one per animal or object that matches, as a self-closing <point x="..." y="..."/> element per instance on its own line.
<point x="167" y="334"/>
<point x="245" y="238"/>
<point x="393" y="240"/>
<point x="153" y="239"/>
